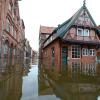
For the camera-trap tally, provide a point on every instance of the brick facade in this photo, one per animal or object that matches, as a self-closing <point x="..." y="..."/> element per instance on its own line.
<point x="47" y="55"/>
<point x="75" y="40"/>
<point x="44" y="32"/>
<point x="12" y="33"/>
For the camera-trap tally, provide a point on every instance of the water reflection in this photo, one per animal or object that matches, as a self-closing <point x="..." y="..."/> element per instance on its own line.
<point x="45" y="90"/>
<point x="11" y="81"/>
<point x="76" y="81"/>
<point x="10" y="85"/>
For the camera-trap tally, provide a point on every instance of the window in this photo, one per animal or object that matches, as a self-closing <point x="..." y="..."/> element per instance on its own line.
<point x="85" y="51"/>
<point x="5" y="49"/>
<point x="76" y="51"/>
<point x="53" y="52"/>
<point x="86" y="32"/>
<point x="14" y="51"/>
<point x="45" y="52"/>
<point x="47" y="36"/>
<point x="13" y="15"/>
<point x="53" y="56"/>
<point x="92" y="52"/>
<point x="14" y="34"/>
<point x="12" y="30"/>
<point x="10" y="7"/>
<point x="76" y="66"/>
<point x="8" y="25"/>
<point x="80" y="32"/>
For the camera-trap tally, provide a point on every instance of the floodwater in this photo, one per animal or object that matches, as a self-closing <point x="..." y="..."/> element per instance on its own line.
<point x="31" y="82"/>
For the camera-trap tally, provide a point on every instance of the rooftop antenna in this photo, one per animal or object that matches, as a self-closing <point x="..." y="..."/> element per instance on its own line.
<point x="84" y="3"/>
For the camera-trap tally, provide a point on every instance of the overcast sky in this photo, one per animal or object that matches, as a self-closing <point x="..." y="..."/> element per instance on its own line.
<point x="51" y="13"/>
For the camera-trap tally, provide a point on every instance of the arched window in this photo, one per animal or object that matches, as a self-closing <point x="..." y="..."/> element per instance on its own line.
<point x="6" y="48"/>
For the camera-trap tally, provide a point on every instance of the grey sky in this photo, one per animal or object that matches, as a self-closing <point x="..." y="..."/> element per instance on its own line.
<point x="51" y="13"/>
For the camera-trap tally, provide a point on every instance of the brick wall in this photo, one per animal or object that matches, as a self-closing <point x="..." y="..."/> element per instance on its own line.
<point x="82" y="58"/>
<point x="47" y="55"/>
<point x="15" y="34"/>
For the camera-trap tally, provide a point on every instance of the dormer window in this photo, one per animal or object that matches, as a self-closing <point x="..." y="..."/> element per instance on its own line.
<point x="86" y="32"/>
<point x="82" y="32"/>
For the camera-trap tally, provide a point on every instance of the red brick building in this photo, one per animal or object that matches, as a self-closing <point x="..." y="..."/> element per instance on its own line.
<point x="77" y="39"/>
<point x="98" y="52"/>
<point x="11" y="32"/>
<point x="44" y="32"/>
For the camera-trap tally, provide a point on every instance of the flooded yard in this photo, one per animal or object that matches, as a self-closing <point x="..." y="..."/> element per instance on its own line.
<point x="76" y="82"/>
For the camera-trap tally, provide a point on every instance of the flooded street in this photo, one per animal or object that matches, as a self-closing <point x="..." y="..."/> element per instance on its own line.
<point x="33" y="83"/>
<point x="30" y="88"/>
<point x="30" y="84"/>
<point x="22" y="84"/>
<point x="46" y="56"/>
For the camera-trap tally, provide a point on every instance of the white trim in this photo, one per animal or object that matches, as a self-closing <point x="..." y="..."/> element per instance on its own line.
<point x="71" y="52"/>
<point x="79" y="29"/>
<point x="84" y="33"/>
<point x="86" y="52"/>
<point x="93" y="52"/>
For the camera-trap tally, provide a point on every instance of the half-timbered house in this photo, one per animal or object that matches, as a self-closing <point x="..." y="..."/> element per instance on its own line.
<point x="77" y="39"/>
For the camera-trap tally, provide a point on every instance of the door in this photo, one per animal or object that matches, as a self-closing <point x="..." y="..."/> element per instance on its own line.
<point x="64" y="58"/>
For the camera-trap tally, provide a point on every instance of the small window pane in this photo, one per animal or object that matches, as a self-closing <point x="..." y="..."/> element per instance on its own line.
<point x="85" y="51"/>
<point x="92" y="52"/>
<point x="76" y="51"/>
<point x="80" y="32"/>
<point x="86" y="32"/>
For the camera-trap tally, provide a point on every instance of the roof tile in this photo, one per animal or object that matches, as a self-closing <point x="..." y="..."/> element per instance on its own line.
<point x="46" y="29"/>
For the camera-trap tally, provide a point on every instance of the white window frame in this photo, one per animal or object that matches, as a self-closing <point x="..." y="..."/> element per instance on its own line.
<point x="93" y="52"/>
<point x="75" y="49"/>
<point x="14" y="33"/>
<point x="8" y="25"/>
<point x="85" y="32"/>
<point x="79" y="29"/>
<point x="10" y="6"/>
<point x="5" y="48"/>
<point x="85" y="52"/>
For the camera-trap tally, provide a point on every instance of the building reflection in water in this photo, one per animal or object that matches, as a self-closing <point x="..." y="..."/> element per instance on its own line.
<point x="10" y="84"/>
<point x="11" y="80"/>
<point x="76" y="81"/>
<point x="45" y="90"/>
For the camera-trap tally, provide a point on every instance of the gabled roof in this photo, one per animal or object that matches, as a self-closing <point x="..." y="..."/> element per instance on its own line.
<point x="63" y="28"/>
<point x="46" y="29"/>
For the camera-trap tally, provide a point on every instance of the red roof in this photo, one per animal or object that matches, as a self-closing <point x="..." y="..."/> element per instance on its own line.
<point x="46" y="29"/>
<point x="98" y="27"/>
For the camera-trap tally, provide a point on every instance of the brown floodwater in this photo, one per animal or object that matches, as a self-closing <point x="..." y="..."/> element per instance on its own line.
<point x="77" y="81"/>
